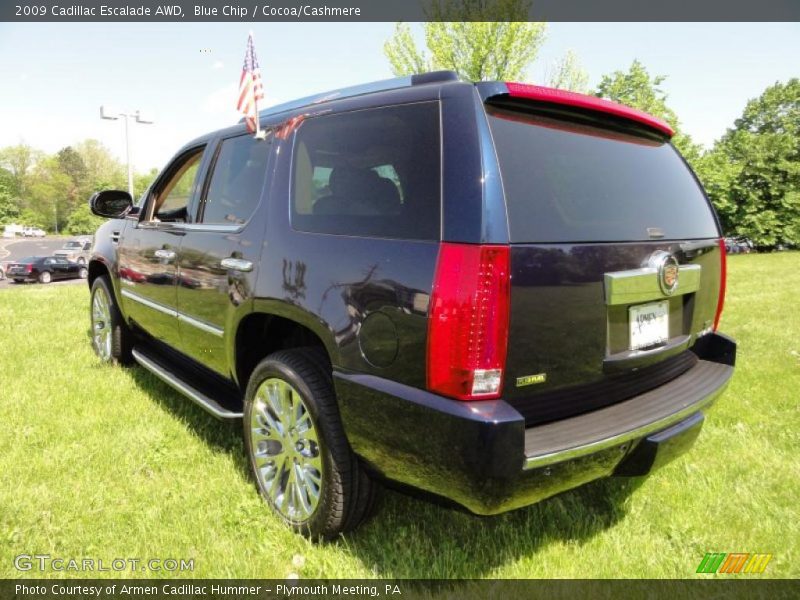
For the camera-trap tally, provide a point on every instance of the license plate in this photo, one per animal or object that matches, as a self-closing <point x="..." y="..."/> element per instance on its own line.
<point x="649" y="324"/>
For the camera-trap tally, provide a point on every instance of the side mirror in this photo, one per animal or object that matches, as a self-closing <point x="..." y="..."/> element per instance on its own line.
<point x="111" y="204"/>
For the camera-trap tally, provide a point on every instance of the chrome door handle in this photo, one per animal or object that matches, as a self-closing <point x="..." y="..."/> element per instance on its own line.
<point x="165" y="254"/>
<point x="236" y="264"/>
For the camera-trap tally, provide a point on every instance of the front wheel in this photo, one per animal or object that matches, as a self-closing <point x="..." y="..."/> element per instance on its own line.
<point x="300" y="458"/>
<point x="111" y="339"/>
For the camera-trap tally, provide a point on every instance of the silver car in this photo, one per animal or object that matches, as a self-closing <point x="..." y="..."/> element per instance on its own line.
<point x="77" y="250"/>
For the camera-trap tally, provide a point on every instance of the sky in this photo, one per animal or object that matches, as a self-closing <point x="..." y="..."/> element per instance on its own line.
<point x="185" y="76"/>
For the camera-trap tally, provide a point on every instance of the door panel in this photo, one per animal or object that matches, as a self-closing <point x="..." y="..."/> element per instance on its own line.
<point x="148" y="253"/>
<point x="148" y="276"/>
<point x="219" y="256"/>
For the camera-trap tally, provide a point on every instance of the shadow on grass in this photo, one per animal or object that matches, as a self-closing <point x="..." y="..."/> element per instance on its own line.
<point x="410" y="537"/>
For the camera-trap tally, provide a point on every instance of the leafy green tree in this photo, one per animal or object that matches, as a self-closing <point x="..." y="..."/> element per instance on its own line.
<point x="463" y="37"/>
<point x="19" y="161"/>
<point x="48" y="194"/>
<point x="103" y="171"/>
<point x="638" y="89"/>
<point x="82" y="221"/>
<point x="569" y="74"/>
<point x="759" y="159"/>
<point x="9" y="210"/>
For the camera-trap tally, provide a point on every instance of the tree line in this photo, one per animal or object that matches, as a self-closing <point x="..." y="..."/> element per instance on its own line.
<point x="51" y="191"/>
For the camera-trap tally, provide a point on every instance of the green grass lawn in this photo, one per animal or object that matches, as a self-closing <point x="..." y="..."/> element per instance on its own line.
<point x="108" y="462"/>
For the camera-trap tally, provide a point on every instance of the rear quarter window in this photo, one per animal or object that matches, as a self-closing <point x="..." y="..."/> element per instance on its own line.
<point x="568" y="182"/>
<point x="369" y="173"/>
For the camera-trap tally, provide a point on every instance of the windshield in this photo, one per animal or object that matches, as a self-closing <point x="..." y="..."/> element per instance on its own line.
<point x="566" y="182"/>
<point x="28" y="260"/>
<point x="72" y="246"/>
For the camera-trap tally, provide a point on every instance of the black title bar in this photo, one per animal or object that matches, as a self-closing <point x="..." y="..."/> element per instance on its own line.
<point x="244" y="11"/>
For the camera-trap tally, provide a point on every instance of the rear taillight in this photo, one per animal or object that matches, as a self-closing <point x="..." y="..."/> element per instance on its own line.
<point x="468" y="327"/>
<point x="723" y="276"/>
<point x="28" y="268"/>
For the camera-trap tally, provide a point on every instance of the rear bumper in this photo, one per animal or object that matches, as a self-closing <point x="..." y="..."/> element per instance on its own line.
<point x="480" y="454"/>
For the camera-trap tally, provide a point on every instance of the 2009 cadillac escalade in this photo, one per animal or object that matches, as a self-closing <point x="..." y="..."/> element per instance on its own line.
<point x="492" y="292"/>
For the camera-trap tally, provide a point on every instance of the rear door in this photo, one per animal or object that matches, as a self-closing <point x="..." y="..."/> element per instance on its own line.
<point x="148" y="252"/>
<point x="218" y="261"/>
<point x="615" y="260"/>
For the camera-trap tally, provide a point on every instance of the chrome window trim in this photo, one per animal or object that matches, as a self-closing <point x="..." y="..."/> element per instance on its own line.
<point x="210" y="227"/>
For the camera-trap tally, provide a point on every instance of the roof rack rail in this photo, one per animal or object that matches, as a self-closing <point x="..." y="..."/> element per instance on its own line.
<point x="359" y="90"/>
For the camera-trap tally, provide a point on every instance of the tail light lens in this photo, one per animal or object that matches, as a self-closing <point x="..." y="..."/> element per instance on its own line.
<point x="468" y="326"/>
<point x="723" y="277"/>
<point x="28" y="268"/>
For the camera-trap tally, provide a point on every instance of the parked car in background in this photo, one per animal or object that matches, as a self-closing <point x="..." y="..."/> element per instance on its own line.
<point x="76" y="250"/>
<point x="492" y="292"/>
<point x="11" y="230"/>
<point x="33" y="232"/>
<point x="45" y="269"/>
<point x="738" y="245"/>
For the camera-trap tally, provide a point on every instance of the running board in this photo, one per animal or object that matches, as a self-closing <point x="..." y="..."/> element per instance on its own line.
<point x="203" y="401"/>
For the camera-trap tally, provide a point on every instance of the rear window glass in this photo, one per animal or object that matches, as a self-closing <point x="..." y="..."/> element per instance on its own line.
<point x="566" y="182"/>
<point x="372" y="173"/>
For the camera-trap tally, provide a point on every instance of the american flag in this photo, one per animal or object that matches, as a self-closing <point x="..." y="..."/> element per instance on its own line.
<point x="250" y="88"/>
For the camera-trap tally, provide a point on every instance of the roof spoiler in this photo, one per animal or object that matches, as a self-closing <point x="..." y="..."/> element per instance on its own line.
<point x="552" y="96"/>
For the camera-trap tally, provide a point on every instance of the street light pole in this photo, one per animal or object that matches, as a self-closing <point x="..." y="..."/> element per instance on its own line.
<point x="128" y="157"/>
<point x="112" y="115"/>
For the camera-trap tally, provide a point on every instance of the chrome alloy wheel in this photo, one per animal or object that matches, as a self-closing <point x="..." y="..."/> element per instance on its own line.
<point x="286" y="451"/>
<point x="101" y="324"/>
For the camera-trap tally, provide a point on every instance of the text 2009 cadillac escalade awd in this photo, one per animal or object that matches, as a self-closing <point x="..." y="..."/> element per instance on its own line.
<point x="491" y="292"/>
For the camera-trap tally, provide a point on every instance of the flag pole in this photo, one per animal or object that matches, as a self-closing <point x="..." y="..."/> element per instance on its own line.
<point x="260" y="135"/>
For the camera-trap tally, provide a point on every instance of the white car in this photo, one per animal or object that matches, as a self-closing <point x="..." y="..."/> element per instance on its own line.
<point x="33" y="232"/>
<point x="77" y="250"/>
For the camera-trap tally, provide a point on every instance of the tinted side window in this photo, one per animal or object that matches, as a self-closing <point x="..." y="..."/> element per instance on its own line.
<point x="372" y="173"/>
<point x="237" y="181"/>
<point x="575" y="183"/>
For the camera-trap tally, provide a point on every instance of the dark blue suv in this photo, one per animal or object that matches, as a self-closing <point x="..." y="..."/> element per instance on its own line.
<point x="491" y="292"/>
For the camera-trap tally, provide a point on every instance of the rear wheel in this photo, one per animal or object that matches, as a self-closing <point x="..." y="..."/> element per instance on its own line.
<point x="301" y="460"/>
<point x="111" y="338"/>
<point x="83" y="273"/>
<point x="45" y="277"/>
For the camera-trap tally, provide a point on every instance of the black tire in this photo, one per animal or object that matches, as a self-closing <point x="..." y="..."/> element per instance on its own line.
<point x="366" y="489"/>
<point x="45" y="277"/>
<point x="345" y="493"/>
<point x="121" y="336"/>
